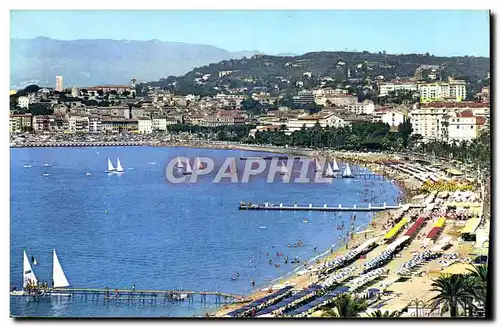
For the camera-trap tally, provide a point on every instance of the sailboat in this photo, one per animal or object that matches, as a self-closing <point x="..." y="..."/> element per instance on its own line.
<point x="335" y="166"/>
<point x="283" y="170"/>
<point x="179" y="163"/>
<point x="58" y="276"/>
<point x="329" y="171"/>
<point x="347" y="172"/>
<point x="318" y="165"/>
<point x="188" y="170"/>
<point x="28" y="275"/>
<point x="197" y="164"/>
<point x="111" y="169"/>
<point x="59" y="279"/>
<point x="119" y="168"/>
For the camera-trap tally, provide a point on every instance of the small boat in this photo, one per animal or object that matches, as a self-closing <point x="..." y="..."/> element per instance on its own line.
<point x="283" y="170"/>
<point x="47" y="165"/>
<point x="188" y="170"/>
<point x="88" y="174"/>
<point x="58" y="276"/>
<point x="28" y="276"/>
<point x="152" y="163"/>
<point x="335" y="167"/>
<point x="180" y="296"/>
<point x="347" y="172"/>
<point x="329" y="171"/>
<point x="305" y="221"/>
<point x="197" y="164"/>
<point x="179" y="164"/>
<point x="111" y="169"/>
<point x="130" y="168"/>
<point x="45" y="174"/>
<point x="27" y="166"/>
<point x="262" y="227"/>
<point x="119" y="168"/>
<point x="318" y="167"/>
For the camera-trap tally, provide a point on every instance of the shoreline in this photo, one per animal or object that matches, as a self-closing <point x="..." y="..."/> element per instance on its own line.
<point x="377" y="229"/>
<point x="405" y="185"/>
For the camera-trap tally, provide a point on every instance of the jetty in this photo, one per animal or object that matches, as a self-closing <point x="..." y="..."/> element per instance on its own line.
<point x="311" y="207"/>
<point x="134" y="296"/>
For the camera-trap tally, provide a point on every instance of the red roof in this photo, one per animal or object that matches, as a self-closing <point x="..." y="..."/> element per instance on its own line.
<point x="415" y="226"/>
<point x="467" y="104"/>
<point x="465" y="113"/>
<point x="433" y="234"/>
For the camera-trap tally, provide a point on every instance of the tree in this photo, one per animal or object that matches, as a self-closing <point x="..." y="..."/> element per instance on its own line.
<point x="31" y="89"/>
<point x="453" y="293"/>
<point x="479" y="275"/>
<point x="405" y="130"/>
<point x="345" y="306"/>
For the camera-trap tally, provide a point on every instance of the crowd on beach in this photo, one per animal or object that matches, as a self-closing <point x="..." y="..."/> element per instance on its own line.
<point x="434" y="206"/>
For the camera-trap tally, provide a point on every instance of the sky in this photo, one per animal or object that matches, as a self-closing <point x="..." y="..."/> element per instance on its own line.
<point x="441" y="33"/>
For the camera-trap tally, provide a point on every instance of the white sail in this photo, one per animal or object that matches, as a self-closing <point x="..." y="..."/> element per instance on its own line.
<point x="110" y="166"/>
<point x="335" y="166"/>
<point x="28" y="274"/>
<point x="197" y="164"/>
<point x="283" y="169"/>
<point x="189" y="170"/>
<point x="179" y="163"/>
<point x="58" y="276"/>
<point x="329" y="170"/>
<point x="347" y="171"/>
<point x="318" y="165"/>
<point x="119" y="167"/>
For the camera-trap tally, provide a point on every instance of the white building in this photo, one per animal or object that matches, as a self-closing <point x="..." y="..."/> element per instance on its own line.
<point x="159" y="123"/>
<point x="393" y="118"/>
<point x="145" y="125"/>
<point x="95" y="124"/>
<point x="453" y="90"/>
<point x="78" y="124"/>
<point x="464" y="126"/>
<point x="14" y="126"/>
<point x="59" y="84"/>
<point x="325" y="119"/>
<point x="366" y="107"/>
<point x="75" y="92"/>
<point x="433" y="120"/>
<point x="23" y="101"/>
<point x="386" y="87"/>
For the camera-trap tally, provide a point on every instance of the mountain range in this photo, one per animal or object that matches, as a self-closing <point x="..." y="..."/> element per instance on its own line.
<point x="99" y="61"/>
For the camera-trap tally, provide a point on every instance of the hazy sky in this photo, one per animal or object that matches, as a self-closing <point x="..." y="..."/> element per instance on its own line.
<point x="444" y="33"/>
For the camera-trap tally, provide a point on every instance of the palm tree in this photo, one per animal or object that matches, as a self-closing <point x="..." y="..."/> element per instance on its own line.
<point x="345" y="306"/>
<point x="479" y="276"/>
<point x="454" y="292"/>
<point x="385" y="314"/>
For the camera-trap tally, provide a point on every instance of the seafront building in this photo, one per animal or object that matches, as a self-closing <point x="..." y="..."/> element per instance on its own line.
<point x="450" y="121"/>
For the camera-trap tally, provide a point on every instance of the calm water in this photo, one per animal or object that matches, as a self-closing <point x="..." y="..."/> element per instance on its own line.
<point x="139" y="229"/>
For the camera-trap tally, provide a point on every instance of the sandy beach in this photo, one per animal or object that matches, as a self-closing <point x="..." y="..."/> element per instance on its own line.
<point x="376" y="228"/>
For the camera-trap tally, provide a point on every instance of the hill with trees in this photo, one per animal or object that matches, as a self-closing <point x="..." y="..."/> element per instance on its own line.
<point x="356" y="70"/>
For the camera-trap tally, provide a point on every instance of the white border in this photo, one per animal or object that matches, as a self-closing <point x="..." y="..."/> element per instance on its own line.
<point x="150" y="4"/>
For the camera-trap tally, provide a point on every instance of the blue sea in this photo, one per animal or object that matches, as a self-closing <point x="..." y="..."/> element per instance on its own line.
<point x="137" y="228"/>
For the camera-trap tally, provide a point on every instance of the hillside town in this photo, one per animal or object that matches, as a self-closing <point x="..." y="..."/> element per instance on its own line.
<point x="436" y="109"/>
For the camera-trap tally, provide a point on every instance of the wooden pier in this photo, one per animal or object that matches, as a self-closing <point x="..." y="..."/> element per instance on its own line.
<point x="311" y="207"/>
<point x="130" y="296"/>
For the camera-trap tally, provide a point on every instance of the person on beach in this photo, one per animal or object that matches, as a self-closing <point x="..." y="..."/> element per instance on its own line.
<point x="270" y="262"/>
